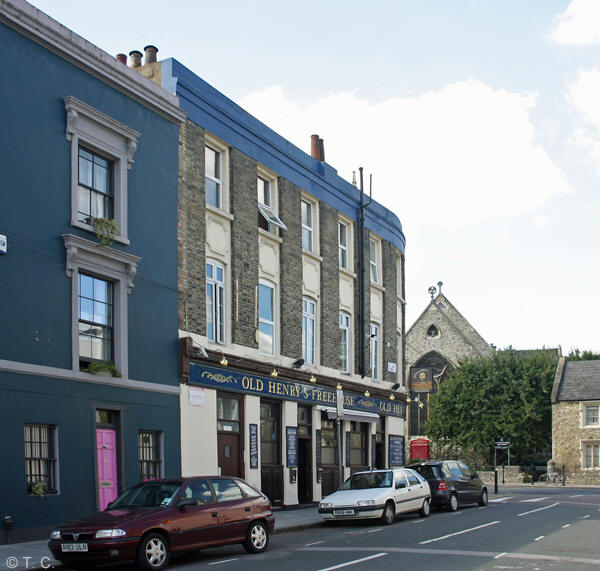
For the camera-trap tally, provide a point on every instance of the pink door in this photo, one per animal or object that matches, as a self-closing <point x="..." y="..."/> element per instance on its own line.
<point x="106" y="446"/>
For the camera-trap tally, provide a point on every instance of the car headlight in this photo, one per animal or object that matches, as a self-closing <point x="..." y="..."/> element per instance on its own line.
<point x="55" y="534"/>
<point x="325" y="505"/>
<point x="365" y="503"/>
<point x="104" y="533"/>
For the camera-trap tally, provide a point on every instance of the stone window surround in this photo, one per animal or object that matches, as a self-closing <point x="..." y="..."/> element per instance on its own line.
<point x="220" y="336"/>
<point x="583" y="444"/>
<point x="118" y="267"/>
<point x="88" y="127"/>
<point x="583" y="414"/>
<point x="222" y="148"/>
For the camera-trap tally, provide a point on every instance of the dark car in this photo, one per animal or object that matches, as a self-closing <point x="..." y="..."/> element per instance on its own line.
<point x="153" y="519"/>
<point x="452" y="483"/>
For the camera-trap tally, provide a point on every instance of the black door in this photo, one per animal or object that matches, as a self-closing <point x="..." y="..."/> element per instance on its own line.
<point x="270" y="445"/>
<point x="304" y="471"/>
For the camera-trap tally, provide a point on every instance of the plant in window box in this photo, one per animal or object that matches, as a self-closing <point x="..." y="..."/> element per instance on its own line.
<point x="102" y="368"/>
<point x="106" y="230"/>
<point x="38" y="488"/>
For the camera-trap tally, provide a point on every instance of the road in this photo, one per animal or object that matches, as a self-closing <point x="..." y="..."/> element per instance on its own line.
<point x="538" y="528"/>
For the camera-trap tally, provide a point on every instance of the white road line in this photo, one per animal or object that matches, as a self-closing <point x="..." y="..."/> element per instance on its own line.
<point x="584" y="517"/>
<point x="566" y="525"/>
<point x="499" y="555"/>
<point x="419" y="521"/>
<point x="374" y="530"/>
<point x="538" y="538"/>
<point x="353" y="562"/>
<point x="459" y="532"/>
<point x="223" y="561"/>
<point x="500" y="499"/>
<point x="538" y="510"/>
<point x="536" y="499"/>
<point x="576" y="496"/>
<point x="315" y="543"/>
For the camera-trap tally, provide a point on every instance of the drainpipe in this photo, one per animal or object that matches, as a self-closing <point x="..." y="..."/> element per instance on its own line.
<point x="362" y="289"/>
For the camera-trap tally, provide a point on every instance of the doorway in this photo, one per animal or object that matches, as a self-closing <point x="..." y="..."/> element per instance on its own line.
<point x="107" y="469"/>
<point x="305" y="477"/>
<point x="229" y="414"/>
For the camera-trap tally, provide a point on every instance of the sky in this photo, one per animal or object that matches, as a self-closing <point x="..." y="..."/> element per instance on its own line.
<point x="479" y="121"/>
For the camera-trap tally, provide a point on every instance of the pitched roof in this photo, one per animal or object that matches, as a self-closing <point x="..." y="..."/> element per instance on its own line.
<point x="576" y="381"/>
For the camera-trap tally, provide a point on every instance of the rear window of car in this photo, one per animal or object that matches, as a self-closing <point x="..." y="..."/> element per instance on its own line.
<point x="226" y="490"/>
<point x="429" y="472"/>
<point x="248" y="489"/>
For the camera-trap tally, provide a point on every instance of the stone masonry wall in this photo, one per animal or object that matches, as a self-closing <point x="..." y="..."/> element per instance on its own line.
<point x="390" y="313"/>
<point x="330" y="290"/>
<point x="567" y="436"/>
<point x="191" y="230"/>
<point x="290" y="270"/>
<point x="244" y="246"/>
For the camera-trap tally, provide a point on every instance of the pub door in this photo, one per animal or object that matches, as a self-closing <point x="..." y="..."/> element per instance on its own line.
<point x="229" y="454"/>
<point x="229" y="434"/>
<point x="271" y="469"/>
<point x="304" y="471"/>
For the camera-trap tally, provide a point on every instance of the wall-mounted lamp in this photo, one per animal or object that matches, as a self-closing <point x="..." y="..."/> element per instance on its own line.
<point x="408" y="399"/>
<point x="392" y="397"/>
<point x="223" y="362"/>
<point x="367" y="393"/>
<point x="313" y="379"/>
<point x="275" y="373"/>
<point x="421" y="405"/>
<point x="339" y="386"/>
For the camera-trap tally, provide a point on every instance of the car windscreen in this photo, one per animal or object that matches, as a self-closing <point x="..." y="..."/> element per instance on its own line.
<point x="369" y="480"/>
<point x="428" y="472"/>
<point x="146" y="495"/>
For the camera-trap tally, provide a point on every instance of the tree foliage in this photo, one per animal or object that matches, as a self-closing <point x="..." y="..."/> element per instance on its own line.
<point x="585" y="355"/>
<point x="504" y="395"/>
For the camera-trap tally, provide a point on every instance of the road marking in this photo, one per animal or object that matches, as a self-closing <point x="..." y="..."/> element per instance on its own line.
<point x="538" y="538"/>
<point x="353" y="562"/>
<point x="538" y="510"/>
<point x="458" y="532"/>
<point x="223" y="561"/>
<point x="374" y="530"/>
<point x="499" y="555"/>
<point x="536" y="499"/>
<point x="419" y="521"/>
<point x="500" y="499"/>
<point x="584" y="517"/>
<point x="576" y="496"/>
<point x="566" y="525"/>
<point x="315" y="543"/>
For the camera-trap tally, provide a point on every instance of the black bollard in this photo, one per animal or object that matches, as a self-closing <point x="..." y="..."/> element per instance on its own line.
<point x="496" y="482"/>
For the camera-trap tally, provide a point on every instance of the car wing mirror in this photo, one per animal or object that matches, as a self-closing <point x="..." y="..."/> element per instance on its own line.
<point x="187" y="502"/>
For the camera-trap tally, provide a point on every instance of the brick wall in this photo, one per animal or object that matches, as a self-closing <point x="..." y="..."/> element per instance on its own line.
<point x="330" y="290"/>
<point x="290" y="270"/>
<point x="244" y="246"/>
<point x="191" y="229"/>
<point x="390" y="313"/>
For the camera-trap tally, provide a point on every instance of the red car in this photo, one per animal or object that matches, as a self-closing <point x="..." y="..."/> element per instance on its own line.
<point x="153" y="519"/>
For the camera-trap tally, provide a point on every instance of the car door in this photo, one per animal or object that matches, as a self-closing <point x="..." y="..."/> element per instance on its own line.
<point x="417" y="489"/>
<point x="234" y="511"/>
<point x="195" y="522"/>
<point x="459" y="482"/>
<point x="402" y="497"/>
<point x="472" y="483"/>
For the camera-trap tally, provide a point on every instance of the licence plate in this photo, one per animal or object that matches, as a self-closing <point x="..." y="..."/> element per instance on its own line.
<point x="343" y="512"/>
<point x="74" y="547"/>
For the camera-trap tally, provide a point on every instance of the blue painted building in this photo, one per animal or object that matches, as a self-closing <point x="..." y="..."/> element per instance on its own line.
<point x="89" y="390"/>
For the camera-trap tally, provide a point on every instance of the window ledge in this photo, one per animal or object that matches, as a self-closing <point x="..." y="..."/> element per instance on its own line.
<point x="88" y="228"/>
<point x="347" y="272"/>
<point x="269" y="236"/>
<point x="378" y="287"/>
<point x="312" y="255"/>
<point x="219" y="212"/>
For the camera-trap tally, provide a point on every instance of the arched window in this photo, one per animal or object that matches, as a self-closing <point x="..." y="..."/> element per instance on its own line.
<point x="433" y="331"/>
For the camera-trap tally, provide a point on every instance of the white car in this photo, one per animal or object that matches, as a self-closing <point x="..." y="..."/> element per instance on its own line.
<point x="378" y="494"/>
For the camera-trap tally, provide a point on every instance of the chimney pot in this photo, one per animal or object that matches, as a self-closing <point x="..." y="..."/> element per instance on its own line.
<point x="315" y="149"/>
<point x="122" y="58"/>
<point x="151" y="52"/>
<point x="136" y="58"/>
<point x="321" y="150"/>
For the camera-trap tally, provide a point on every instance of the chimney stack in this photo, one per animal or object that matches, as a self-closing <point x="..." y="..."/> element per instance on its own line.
<point x="136" y="58"/>
<point x="122" y="58"/>
<point x="321" y="150"/>
<point x="151" y="52"/>
<point x="317" y="150"/>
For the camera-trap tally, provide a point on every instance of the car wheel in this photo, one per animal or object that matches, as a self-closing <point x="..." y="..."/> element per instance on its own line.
<point x="257" y="538"/>
<point x="389" y="514"/>
<point x="153" y="552"/>
<point x="452" y="504"/>
<point x="483" y="500"/>
<point x="425" y="508"/>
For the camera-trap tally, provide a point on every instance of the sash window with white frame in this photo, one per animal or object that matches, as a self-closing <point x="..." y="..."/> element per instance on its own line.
<point x="213" y="178"/>
<point x="266" y="318"/>
<point x="95" y="190"/>
<point x="374" y="350"/>
<point x="344" y="342"/>
<point x="343" y="245"/>
<point x="309" y="309"/>
<point x="267" y="217"/>
<point x="215" y="302"/>
<point x="591" y="415"/>
<point x="373" y="258"/>
<point x="307" y="225"/>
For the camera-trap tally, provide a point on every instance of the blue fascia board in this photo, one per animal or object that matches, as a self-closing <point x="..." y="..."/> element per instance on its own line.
<point x="213" y="111"/>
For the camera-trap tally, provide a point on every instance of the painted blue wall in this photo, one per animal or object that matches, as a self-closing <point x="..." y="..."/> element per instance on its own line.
<point x="35" y="211"/>
<point x="218" y="114"/>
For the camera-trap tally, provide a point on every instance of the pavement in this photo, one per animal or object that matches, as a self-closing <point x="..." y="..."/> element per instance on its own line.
<point x="36" y="555"/>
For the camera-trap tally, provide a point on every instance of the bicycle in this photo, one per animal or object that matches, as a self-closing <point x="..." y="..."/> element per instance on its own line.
<point x="559" y="477"/>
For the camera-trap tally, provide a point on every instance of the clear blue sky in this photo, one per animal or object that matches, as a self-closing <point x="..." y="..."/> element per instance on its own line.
<point x="479" y="120"/>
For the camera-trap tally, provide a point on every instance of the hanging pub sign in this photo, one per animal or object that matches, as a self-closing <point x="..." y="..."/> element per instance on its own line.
<point x="224" y="379"/>
<point x="421" y="379"/>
